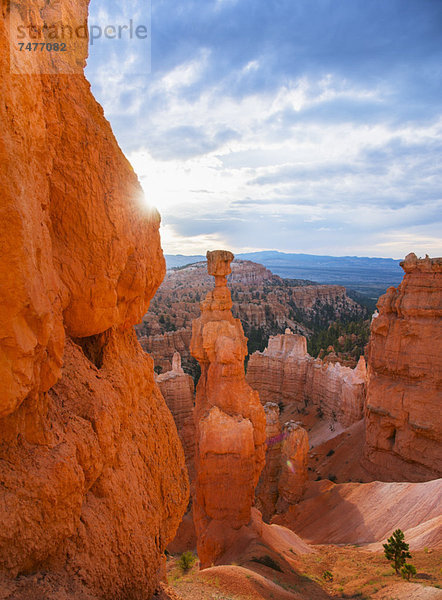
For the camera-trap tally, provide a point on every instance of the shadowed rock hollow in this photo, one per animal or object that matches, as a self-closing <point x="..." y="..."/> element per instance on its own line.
<point x="93" y="483"/>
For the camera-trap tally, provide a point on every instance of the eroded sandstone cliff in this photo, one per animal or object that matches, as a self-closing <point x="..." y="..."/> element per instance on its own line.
<point x="404" y="396"/>
<point x="92" y="474"/>
<point x="286" y="373"/>
<point x="229" y="419"/>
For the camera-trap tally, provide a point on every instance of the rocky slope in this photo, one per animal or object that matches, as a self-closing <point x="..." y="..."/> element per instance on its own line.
<point x="286" y="373"/>
<point x="265" y="304"/>
<point x="353" y="513"/>
<point x="230" y="422"/>
<point x="92" y="471"/>
<point x="403" y="420"/>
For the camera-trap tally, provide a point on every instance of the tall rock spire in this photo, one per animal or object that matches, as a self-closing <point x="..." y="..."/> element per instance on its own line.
<point x="230" y="421"/>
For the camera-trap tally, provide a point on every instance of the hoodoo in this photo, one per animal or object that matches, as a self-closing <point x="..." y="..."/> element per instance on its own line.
<point x="229" y="418"/>
<point x="403" y="420"/>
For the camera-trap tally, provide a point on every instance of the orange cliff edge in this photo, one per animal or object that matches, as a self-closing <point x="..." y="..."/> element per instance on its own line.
<point x="93" y="481"/>
<point x="403" y="411"/>
<point x="230" y="422"/>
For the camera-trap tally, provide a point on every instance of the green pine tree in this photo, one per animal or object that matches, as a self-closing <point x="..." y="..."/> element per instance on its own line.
<point x="396" y="549"/>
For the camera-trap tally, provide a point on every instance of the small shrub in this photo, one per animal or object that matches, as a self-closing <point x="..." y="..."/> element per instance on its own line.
<point x="332" y="477"/>
<point x="327" y="575"/>
<point x="187" y="560"/>
<point x="408" y="571"/>
<point x="330" y="452"/>
<point x="396" y="549"/>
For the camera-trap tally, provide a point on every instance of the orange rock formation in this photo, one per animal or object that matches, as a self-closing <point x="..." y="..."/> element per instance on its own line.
<point x="294" y="457"/>
<point x="230" y="421"/>
<point x="163" y="347"/>
<point x="286" y="373"/>
<point x="284" y="476"/>
<point x="92" y="470"/>
<point x="404" y="419"/>
<point x="178" y="391"/>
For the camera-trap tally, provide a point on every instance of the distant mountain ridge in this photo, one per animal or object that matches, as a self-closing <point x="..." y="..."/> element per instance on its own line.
<point x="369" y="276"/>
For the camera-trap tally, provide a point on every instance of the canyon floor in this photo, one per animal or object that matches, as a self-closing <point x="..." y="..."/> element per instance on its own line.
<point x="356" y="573"/>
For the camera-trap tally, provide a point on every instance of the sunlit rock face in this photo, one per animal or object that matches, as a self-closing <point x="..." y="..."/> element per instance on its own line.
<point x="286" y="373"/>
<point x="229" y="419"/>
<point x="403" y="418"/>
<point x="92" y="470"/>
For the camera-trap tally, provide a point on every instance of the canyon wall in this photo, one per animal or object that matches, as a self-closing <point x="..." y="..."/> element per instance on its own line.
<point x="286" y="373"/>
<point x="163" y="347"/>
<point x="229" y="419"/>
<point x="92" y="470"/>
<point x="404" y="395"/>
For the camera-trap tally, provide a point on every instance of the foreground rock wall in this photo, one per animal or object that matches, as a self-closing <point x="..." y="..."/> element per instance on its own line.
<point x="92" y="471"/>
<point x="286" y="373"/>
<point x="230" y="422"/>
<point x="404" y="397"/>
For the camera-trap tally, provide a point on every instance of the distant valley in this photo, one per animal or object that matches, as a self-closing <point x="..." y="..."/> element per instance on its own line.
<point x="368" y="276"/>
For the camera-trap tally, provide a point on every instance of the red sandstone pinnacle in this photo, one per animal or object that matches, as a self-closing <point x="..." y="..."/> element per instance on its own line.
<point x="403" y="416"/>
<point x="229" y="419"/>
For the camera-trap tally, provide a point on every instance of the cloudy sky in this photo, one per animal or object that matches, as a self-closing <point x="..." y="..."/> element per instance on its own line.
<point x="296" y="125"/>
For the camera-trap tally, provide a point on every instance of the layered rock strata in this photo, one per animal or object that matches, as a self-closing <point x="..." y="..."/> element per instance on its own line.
<point x="163" y="347"/>
<point x="178" y="391"/>
<point x="286" y="373"/>
<point x="230" y="422"/>
<point x="404" y="396"/>
<point x="93" y="483"/>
